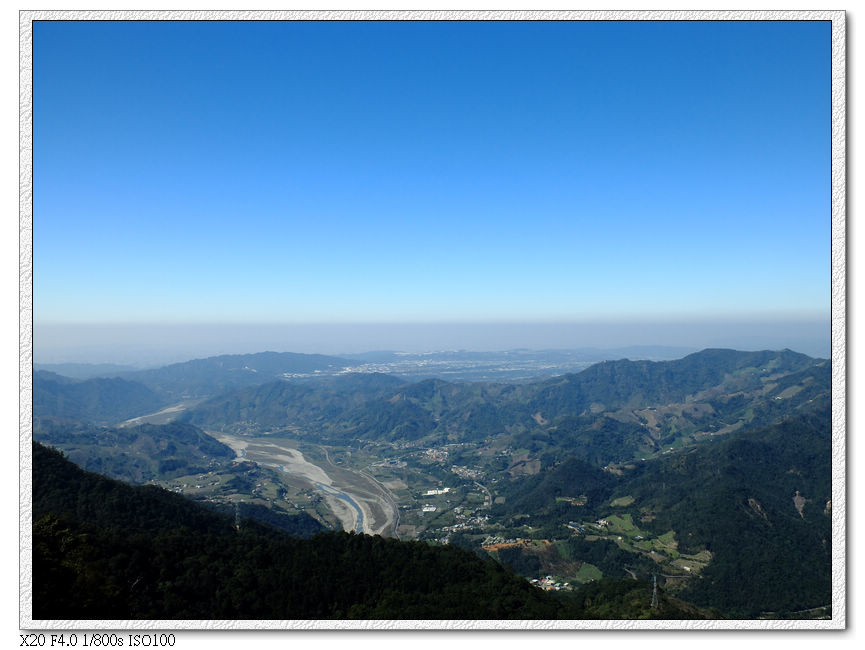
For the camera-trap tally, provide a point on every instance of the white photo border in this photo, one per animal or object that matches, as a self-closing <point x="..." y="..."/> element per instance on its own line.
<point x="838" y="318"/>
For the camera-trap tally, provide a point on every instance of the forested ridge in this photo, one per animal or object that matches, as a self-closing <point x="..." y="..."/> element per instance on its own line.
<point x="136" y="453"/>
<point x="597" y="414"/>
<point x="106" y="550"/>
<point x="200" y="377"/>
<point x="759" y="501"/>
<point x="718" y="464"/>
<point x="99" y="400"/>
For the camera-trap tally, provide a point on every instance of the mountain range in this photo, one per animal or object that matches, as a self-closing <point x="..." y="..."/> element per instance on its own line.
<point x="713" y="469"/>
<point x="610" y="412"/>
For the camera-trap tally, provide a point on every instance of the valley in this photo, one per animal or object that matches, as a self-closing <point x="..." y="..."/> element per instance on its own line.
<point x="357" y="500"/>
<point x="704" y="472"/>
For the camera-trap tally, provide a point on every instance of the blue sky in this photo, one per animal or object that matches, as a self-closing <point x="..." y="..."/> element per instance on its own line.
<point x="328" y="172"/>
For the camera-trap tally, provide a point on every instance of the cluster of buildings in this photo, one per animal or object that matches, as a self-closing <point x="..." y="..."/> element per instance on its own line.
<point x="498" y="540"/>
<point x="465" y="522"/>
<point x="438" y="455"/>
<point x="465" y="472"/>
<point x="548" y="583"/>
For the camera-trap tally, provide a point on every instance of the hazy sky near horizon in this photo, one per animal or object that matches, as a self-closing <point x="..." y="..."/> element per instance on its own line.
<point x="156" y="344"/>
<point x="339" y="172"/>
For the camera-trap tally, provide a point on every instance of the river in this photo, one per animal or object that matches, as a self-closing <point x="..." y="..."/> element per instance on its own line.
<point x="351" y="508"/>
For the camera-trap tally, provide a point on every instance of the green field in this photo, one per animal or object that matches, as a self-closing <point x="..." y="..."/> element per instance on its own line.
<point x="588" y="572"/>
<point x="622" y="524"/>
<point x="667" y="543"/>
<point x="668" y="539"/>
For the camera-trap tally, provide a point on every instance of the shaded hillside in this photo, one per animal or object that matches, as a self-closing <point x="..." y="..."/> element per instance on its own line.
<point x="754" y="507"/>
<point x="299" y="524"/>
<point x="597" y="439"/>
<point x="138" y="454"/>
<point x="206" y="377"/>
<point x="712" y="471"/>
<point x="543" y="495"/>
<point x="445" y="411"/>
<point x="626" y="599"/>
<point x="100" y="400"/>
<point x="359" y="406"/>
<point x="105" y="550"/>
<point x="611" y="385"/>
<point x="610" y="412"/>
<point x="740" y="498"/>
<point x="278" y="405"/>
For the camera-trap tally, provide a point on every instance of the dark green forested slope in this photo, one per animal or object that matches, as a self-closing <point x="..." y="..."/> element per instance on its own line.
<point x="571" y="478"/>
<point x="275" y="404"/>
<point x="361" y="406"/>
<point x="139" y="454"/>
<point x="731" y="386"/>
<point x="735" y="498"/>
<point x="621" y="383"/>
<point x="103" y="549"/>
<point x="756" y="497"/>
<point x="598" y="440"/>
<point x="609" y="599"/>
<point x="758" y="501"/>
<point x="592" y="414"/>
<point x="106" y="550"/>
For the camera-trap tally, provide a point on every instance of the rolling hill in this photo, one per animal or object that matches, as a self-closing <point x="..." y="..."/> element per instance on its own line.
<point x="105" y="550"/>
<point x="207" y="377"/>
<point x="610" y="412"/>
<point x="712" y="470"/>
<point x="99" y="400"/>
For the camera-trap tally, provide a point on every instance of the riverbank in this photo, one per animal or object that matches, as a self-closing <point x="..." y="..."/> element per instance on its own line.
<point x="359" y="503"/>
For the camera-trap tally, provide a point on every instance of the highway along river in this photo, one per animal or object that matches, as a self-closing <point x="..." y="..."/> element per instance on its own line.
<point x="359" y="502"/>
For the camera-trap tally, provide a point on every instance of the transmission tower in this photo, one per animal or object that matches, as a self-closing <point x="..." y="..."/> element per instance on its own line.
<point x="654" y="591"/>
